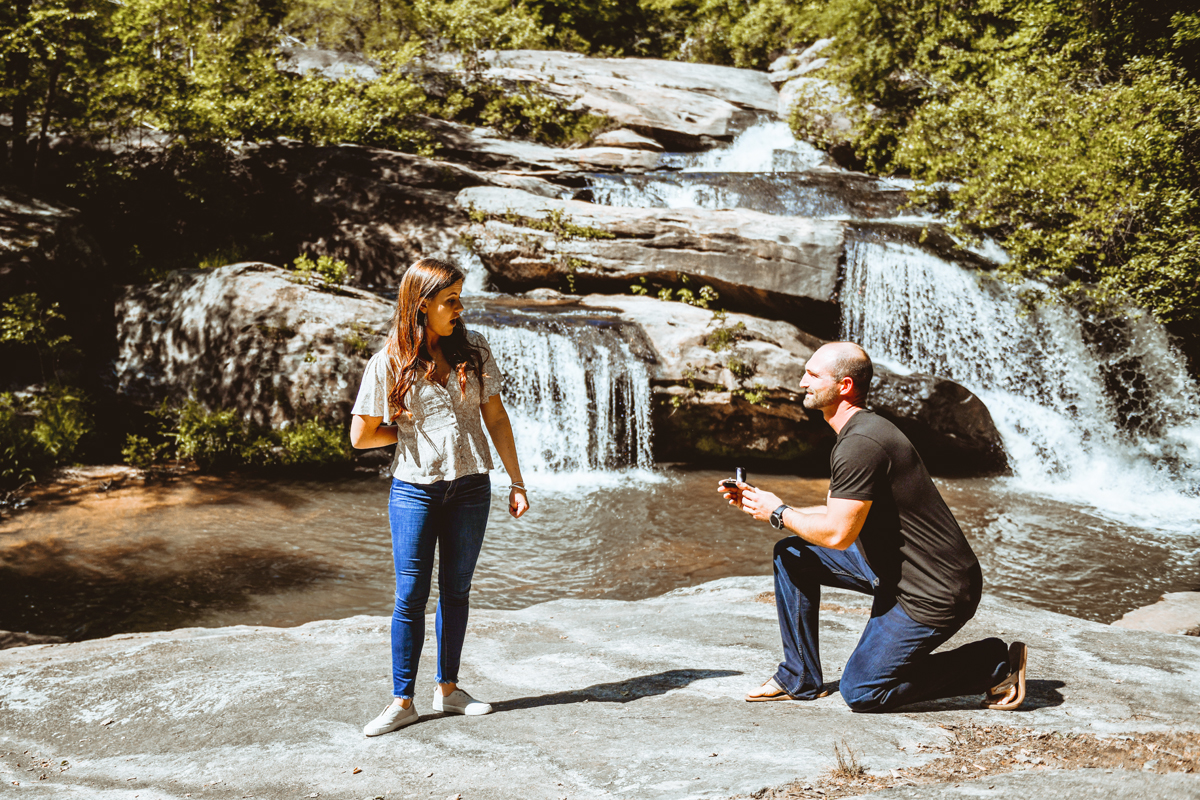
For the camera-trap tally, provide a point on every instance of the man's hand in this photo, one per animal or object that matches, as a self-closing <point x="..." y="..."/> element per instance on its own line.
<point x="758" y="503"/>
<point x="734" y="496"/>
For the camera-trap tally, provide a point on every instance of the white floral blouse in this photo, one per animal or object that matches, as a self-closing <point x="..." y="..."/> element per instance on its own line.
<point x="441" y="437"/>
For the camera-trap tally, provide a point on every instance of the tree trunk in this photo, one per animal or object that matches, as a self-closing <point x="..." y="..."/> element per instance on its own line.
<point x="19" y="161"/>
<point x="51" y="96"/>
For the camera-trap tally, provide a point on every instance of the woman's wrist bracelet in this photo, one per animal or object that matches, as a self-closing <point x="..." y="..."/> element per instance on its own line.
<point x="517" y="485"/>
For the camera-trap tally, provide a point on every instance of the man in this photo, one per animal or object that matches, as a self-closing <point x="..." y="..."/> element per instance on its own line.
<point x="884" y="531"/>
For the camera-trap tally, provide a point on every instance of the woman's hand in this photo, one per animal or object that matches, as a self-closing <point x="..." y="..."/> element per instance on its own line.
<point x="518" y="502"/>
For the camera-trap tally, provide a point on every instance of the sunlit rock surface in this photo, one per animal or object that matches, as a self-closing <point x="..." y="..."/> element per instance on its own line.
<point x="247" y="337"/>
<point x="1175" y="612"/>
<point x="679" y="104"/>
<point x="592" y="698"/>
<point x="782" y="265"/>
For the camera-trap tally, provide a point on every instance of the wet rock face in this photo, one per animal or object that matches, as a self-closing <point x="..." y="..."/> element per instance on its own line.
<point x="950" y="427"/>
<point x="247" y="337"/>
<point x="784" y="267"/>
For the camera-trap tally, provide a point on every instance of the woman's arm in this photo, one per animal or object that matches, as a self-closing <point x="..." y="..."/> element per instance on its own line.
<point x="500" y="429"/>
<point x="365" y="433"/>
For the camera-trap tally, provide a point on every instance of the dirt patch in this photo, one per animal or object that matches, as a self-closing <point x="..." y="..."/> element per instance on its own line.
<point x="978" y="752"/>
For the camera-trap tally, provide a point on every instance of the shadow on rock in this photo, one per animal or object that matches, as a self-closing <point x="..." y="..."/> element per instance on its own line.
<point x="1038" y="694"/>
<point x="43" y="588"/>
<point x="618" y="691"/>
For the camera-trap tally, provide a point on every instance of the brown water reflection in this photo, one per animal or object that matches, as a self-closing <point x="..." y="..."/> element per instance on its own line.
<point x="212" y="552"/>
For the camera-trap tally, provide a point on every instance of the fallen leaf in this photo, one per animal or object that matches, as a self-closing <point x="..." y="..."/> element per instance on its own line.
<point x="355" y="771"/>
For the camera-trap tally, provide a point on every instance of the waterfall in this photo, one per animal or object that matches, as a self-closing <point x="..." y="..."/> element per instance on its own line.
<point x="1099" y="410"/>
<point x="767" y="146"/>
<point x="820" y="194"/>
<point x="577" y="395"/>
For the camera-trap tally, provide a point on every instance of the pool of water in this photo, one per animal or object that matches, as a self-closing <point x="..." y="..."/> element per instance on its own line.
<point x="204" y="551"/>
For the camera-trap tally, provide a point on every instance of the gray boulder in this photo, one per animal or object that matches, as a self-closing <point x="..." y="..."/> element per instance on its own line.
<point x="789" y="66"/>
<point x="623" y="137"/>
<point x="728" y="387"/>
<point x="781" y="266"/>
<point x="485" y="148"/>
<point x="634" y="699"/>
<point x="247" y="337"/>
<point x="681" y="105"/>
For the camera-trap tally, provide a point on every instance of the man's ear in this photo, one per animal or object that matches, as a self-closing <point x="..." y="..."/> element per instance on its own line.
<point x="847" y="387"/>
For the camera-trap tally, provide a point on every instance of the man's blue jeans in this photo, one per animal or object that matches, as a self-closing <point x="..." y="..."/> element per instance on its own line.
<point x="451" y="515"/>
<point x="893" y="664"/>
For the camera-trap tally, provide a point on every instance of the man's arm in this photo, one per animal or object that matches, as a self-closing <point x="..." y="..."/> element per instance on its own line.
<point x="835" y="525"/>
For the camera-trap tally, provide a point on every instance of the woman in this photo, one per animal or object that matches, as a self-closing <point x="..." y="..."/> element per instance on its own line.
<point x="426" y="392"/>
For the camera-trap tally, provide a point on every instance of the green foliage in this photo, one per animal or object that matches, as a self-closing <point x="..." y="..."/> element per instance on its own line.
<point x="25" y="321"/>
<point x="1072" y="133"/>
<point x="706" y="297"/>
<point x="356" y="340"/>
<point x="1095" y="185"/>
<point x="140" y="452"/>
<point x="63" y="422"/>
<point x="222" y="440"/>
<point x="312" y="444"/>
<point x="325" y="272"/>
<point x="739" y="368"/>
<point x="41" y="432"/>
<point x="724" y="336"/>
<point x="21" y="455"/>
<point x="755" y="395"/>
<point x="529" y="114"/>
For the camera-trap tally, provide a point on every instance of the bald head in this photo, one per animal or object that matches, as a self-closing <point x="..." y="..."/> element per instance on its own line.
<point x="848" y="360"/>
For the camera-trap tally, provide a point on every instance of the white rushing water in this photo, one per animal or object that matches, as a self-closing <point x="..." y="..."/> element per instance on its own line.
<point x="578" y="398"/>
<point x="1101" y="412"/>
<point x="767" y="146"/>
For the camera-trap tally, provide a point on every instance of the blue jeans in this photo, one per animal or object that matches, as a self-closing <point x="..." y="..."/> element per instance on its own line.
<point x="451" y="515"/>
<point x="893" y="664"/>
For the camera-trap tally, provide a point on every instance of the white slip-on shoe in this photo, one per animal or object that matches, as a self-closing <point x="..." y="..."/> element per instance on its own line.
<point x="459" y="702"/>
<point x="393" y="718"/>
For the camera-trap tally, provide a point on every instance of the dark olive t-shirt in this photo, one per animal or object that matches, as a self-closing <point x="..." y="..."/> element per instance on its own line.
<point x="910" y="538"/>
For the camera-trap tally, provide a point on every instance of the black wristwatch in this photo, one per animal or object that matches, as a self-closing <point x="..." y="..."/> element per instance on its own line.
<point x="777" y="517"/>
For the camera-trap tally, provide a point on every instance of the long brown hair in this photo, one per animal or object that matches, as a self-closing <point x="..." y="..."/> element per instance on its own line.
<point x="408" y="352"/>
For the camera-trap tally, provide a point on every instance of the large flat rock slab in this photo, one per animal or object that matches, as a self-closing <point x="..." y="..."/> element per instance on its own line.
<point x="785" y="265"/>
<point x="592" y="699"/>
<point x="679" y="104"/>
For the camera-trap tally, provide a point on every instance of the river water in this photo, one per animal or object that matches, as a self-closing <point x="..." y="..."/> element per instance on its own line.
<point x="1099" y="419"/>
<point x="203" y="551"/>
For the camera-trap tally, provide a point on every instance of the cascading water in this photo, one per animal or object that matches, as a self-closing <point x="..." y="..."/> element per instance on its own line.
<point x="765" y="147"/>
<point x="1098" y="411"/>
<point x="578" y="397"/>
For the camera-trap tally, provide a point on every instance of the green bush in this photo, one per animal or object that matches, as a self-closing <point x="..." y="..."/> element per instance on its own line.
<point x="21" y="454"/>
<point x="63" y="423"/>
<point x="325" y="271"/>
<point x="311" y="444"/>
<point x="222" y="440"/>
<point x="39" y="433"/>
